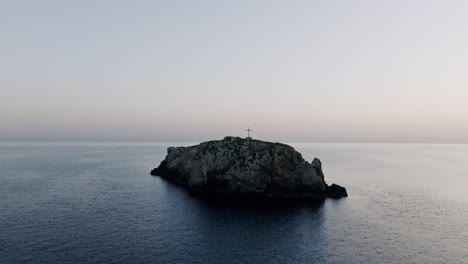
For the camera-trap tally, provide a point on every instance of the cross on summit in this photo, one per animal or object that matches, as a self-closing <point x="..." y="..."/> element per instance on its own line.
<point x="248" y="133"/>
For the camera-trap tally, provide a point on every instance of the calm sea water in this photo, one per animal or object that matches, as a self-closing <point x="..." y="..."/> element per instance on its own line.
<point x="96" y="203"/>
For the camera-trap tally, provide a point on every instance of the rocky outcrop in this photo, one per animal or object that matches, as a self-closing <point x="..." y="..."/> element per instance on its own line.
<point x="245" y="167"/>
<point x="336" y="191"/>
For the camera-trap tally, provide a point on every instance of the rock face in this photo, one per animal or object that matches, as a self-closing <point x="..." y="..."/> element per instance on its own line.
<point x="246" y="167"/>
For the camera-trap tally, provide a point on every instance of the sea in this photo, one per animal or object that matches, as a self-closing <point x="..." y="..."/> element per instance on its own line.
<point x="95" y="202"/>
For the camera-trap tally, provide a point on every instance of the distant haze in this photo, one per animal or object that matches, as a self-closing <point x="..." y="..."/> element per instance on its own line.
<point x="346" y="71"/>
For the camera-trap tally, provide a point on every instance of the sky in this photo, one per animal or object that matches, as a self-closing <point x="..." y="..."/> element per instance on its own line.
<point x="317" y="71"/>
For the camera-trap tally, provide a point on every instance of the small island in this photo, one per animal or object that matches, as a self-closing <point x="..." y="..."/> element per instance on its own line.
<point x="245" y="167"/>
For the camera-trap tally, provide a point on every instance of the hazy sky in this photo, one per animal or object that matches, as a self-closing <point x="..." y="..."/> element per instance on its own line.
<point x="359" y="71"/>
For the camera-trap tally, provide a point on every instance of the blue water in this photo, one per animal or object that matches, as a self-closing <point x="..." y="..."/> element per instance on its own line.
<point x="78" y="202"/>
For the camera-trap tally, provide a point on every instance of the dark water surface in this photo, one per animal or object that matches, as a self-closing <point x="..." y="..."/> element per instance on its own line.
<point x="96" y="203"/>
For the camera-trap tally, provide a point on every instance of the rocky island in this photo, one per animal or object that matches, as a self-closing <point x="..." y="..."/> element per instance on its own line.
<point x="246" y="167"/>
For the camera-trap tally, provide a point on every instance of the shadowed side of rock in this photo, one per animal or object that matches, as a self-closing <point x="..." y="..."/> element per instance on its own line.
<point x="336" y="191"/>
<point x="245" y="167"/>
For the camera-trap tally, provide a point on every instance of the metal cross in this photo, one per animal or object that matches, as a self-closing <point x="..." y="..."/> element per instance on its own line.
<point x="248" y="131"/>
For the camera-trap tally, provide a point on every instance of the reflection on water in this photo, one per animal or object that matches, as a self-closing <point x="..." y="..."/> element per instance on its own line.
<point x="256" y="231"/>
<point x="96" y="203"/>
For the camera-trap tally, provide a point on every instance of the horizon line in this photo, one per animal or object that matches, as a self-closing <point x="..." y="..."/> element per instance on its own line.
<point x="193" y="141"/>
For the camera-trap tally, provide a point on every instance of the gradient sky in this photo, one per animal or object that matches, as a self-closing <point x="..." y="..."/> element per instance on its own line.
<point x="339" y="71"/>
